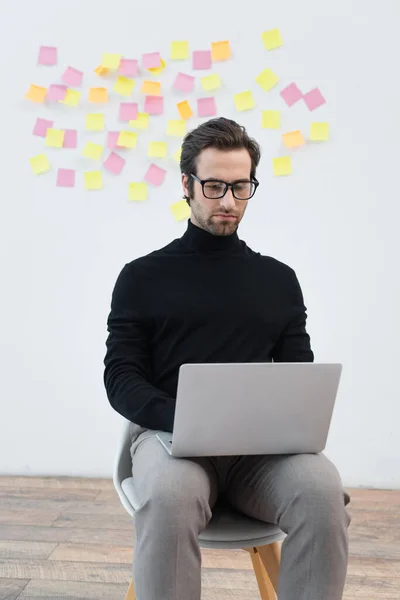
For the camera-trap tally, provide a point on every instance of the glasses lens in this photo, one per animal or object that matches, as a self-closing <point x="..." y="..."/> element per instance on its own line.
<point x="214" y="189"/>
<point x="243" y="190"/>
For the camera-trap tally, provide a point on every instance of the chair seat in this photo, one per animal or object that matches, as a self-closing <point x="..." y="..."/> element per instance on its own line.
<point x="227" y="528"/>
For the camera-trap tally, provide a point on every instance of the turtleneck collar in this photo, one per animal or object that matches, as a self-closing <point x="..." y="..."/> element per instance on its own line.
<point x="201" y="241"/>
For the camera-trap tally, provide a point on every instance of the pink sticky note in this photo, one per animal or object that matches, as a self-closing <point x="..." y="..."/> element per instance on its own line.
<point x="206" y="107"/>
<point x="72" y="77"/>
<point x="56" y="92"/>
<point x="114" y="163"/>
<point x="291" y="94"/>
<point x="155" y="175"/>
<point x="47" y="55"/>
<point x="112" y="139"/>
<point x="70" y="138"/>
<point x="66" y="178"/>
<point x="184" y="83"/>
<point x="202" y="59"/>
<point x="41" y="127"/>
<point x="313" y="99"/>
<point x="154" y="105"/>
<point x="151" y="60"/>
<point x="128" y="67"/>
<point x="128" y="111"/>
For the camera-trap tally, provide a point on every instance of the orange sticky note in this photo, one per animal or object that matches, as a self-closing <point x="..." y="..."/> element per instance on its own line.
<point x="293" y="139"/>
<point x="36" y="94"/>
<point x="151" y="88"/>
<point x="220" y="50"/>
<point x="99" y="95"/>
<point x="101" y="71"/>
<point x="184" y="109"/>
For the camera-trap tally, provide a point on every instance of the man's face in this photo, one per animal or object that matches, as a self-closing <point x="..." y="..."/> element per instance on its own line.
<point x="218" y="216"/>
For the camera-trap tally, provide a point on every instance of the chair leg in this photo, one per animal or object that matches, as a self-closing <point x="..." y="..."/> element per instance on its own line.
<point x="264" y="584"/>
<point x="270" y="556"/>
<point x="131" y="592"/>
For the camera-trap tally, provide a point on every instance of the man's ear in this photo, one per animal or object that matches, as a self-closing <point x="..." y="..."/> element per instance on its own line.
<point x="185" y="181"/>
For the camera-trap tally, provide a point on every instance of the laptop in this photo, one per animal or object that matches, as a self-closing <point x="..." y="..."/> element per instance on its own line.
<point x="252" y="408"/>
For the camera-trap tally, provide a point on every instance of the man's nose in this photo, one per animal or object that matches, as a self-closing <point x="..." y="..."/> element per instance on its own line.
<point x="228" y="201"/>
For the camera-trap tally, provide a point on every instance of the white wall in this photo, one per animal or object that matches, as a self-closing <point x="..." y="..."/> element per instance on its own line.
<point x="335" y="221"/>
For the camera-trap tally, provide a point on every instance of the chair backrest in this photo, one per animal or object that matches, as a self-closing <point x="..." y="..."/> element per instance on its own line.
<point x="123" y="465"/>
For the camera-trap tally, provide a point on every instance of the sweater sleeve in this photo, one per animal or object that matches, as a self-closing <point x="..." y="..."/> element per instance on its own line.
<point x="127" y="361"/>
<point x="293" y="344"/>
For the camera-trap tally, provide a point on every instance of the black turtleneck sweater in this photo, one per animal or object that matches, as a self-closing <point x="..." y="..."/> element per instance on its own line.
<point x="201" y="299"/>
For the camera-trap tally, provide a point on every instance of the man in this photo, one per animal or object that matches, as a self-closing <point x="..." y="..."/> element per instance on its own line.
<point x="207" y="297"/>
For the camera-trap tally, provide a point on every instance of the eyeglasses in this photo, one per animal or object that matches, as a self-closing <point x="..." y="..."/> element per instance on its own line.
<point x="215" y="188"/>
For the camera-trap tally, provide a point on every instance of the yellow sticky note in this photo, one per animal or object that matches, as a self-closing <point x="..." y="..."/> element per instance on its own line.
<point x="152" y="88"/>
<point x="158" y="70"/>
<point x="124" y="86"/>
<point x="267" y="80"/>
<point x="179" y="50"/>
<point x="95" y="122"/>
<point x="271" y="119"/>
<point x="36" y="94"/>
<point x="272" y="39"/>
<point x="99" y="95"/>
<point x="319" y="132"/>
<point x="142" y="121"/>
<point x="244" y="100"/>
<point x="54" y="138"/>
<point x="282" y="166"/>
<point x="184" y="109"/>
<point x="211" y="82"/>
<point x="138" y="191"/>
<point x="101" y="71"/>
<point x="93" y="180"/>
<point x="293" y="139"/>
<point x="220" y="50"/>
<point x="39" y="164"/>
<point x="92" y="151"/>
<point x="157" y="149"/>
<point x="111" y="61"/>
<point x="72" y="98"/>
<point x="127" y="139"/>
<point x="177" y="155"/>
<point x="177" y="128"/>
<point x="180" y="210"/>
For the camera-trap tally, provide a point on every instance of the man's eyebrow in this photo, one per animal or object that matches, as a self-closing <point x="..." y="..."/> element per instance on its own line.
<point x="244" y="179"/>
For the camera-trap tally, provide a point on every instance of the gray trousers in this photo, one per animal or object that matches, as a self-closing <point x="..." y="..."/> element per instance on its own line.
<point x="302" y="493"/>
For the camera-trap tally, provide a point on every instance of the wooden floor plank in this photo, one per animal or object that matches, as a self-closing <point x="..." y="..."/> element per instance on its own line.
<point x="10" y="589"/>
<point x="73" y="535"/>
<point x="82" y="590"/>
<point x="92" y="553"/>
<point x="20" y="549"/>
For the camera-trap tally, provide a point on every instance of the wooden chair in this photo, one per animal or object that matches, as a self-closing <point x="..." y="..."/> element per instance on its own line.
<point x="227" y="529"/>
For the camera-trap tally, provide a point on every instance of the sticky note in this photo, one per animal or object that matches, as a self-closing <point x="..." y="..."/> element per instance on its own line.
<point x="138" y="191"/>
<point x="177" y="128"/>
<point x="70" y="138"/>
<point x="95" y="122"/>
<point x="128" y="67"/>
<point x="291" y="94"/>
<point x="180" y="210"/>
<point x="41" y="127"/>
<point x="93" y="180"/>
<point x="184" y="109"/>
<point x="72" y="98"/>
<point x="36" y="94"/>
<point x="293" y="139"/>
<point x="112" y="139"/>
<point x="47" y="56"/>
<point x="124" y="86"/>
<point x="72" y="77"/>
<point x="177" y="155"/>
<point x="98" y="95"/>
<point x="101" y="71"/>
<point x="154" y="105"/>
<point x="111" y="61"/>
<point x="319" y="132"/>
<point x="56" y="92"/>
<point x="54" y="138"/>
<point x="40" y="164"/>
<point x="157" y="149"/>
<point x="65" y="178"/>
<point x="153" y="88"/>
<point x="272" y="39"/>
<point x="314" y="99"/>
<point x="184" y="83"/>
<point x="114" y="163"/>
<point x="158" y="70"/>
<point x="282" y="166"/>
<point x="141" y="122"/>
<point x="267" y="80"/>
<point x="128" y="111"/>
<point x="211" y="82"/>
<point x="155" y="175"/>
<point x="220" y="50"/>
<point x="271" y="119"/>
<point x="127" y="139"/>
<point x="244" y="100"/>
<point x="206" y="107"/>
<point x="151" y="60"/>
<point x="201" y="59"/>
<point x="179" y="50"/>
<point x="92" y="150"/>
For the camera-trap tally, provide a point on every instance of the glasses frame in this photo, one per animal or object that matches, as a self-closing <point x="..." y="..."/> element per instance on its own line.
<point x="227" y="186"/>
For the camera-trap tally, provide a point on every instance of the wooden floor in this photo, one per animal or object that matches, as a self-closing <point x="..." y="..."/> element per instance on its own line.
<point x="71" y="538"/>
